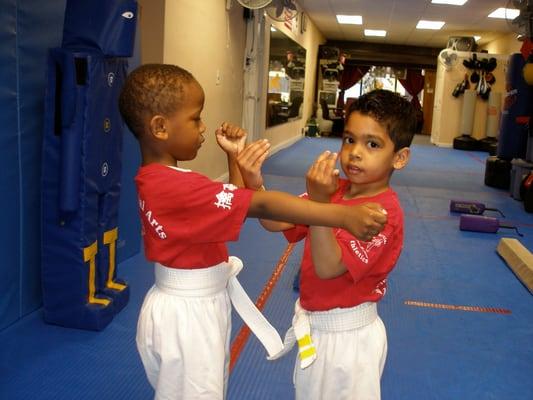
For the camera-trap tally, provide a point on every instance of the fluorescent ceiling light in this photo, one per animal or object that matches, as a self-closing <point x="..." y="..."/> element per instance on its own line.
<point x="452" y="2"/>
<point x="375" y="32"/>
<point x="505" y="13"/>
<point x="422" y="24"/>
<point x="350" y="19"/>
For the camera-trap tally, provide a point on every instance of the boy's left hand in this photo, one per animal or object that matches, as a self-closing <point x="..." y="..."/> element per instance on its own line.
<point x="231" y="138"/>
<point x="322" y="177"/>
<point x="250" y="161"/>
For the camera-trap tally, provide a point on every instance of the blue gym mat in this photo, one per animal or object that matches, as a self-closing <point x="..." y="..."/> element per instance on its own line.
<point x="436" y="351"/>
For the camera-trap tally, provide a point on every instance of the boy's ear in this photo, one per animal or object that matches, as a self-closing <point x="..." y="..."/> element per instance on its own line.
<point x="401" y="158"/>
<point x="157" y="127"/>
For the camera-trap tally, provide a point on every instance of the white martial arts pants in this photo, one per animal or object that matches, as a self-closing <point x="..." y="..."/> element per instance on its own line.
<point x="183" y="332"/>
<point x="351" y="348"/>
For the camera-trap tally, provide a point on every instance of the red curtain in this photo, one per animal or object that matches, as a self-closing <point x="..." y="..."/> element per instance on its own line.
<point x="413" y="83"/>
<point x="349" y="77"/>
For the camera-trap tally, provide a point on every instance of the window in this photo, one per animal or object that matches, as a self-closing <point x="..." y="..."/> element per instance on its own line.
<point x="378" y="78"/>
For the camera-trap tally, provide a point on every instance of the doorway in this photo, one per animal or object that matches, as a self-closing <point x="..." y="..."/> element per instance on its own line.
<point x="429" y="98"/>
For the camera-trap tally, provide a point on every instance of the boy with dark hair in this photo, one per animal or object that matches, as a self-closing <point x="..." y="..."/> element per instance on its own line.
<point x="342" y="341"/>
<point x="184" y="326"/>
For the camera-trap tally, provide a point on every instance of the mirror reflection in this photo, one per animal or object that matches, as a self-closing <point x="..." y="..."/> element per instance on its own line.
<point x="286" y="76"/>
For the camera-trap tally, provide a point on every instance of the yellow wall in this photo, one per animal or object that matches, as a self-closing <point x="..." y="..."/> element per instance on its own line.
<point x="507" y="44"/>
<point x="208" y="40"/>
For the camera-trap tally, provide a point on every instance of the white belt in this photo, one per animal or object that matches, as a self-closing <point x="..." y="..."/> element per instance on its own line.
<point x="336" y="320"/>
<point x="208" y="281"/>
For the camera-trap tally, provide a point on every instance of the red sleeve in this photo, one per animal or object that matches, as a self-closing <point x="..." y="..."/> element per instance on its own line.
<point x="297" y="233"/>
<point x="192" y="208"/>
<point x="215" y="211"/>
<point x="378" y="255"/>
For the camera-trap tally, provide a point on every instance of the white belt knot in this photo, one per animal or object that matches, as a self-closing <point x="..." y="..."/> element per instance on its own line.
<point x="209" y="281"/>
<point x="336" y="320"/>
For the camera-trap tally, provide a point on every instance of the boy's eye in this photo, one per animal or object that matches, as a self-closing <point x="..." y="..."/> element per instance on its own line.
<point x="347" y="140"/>
<point x="373" y="145"/>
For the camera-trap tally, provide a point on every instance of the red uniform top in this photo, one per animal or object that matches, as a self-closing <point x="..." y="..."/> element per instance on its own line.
<point x="186" y="217"/>
<point x="368" y="263"/>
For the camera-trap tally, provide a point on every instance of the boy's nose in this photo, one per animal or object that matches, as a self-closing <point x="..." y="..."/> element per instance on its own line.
<point x="203" y="126"/>
<point x="355" y="154"/>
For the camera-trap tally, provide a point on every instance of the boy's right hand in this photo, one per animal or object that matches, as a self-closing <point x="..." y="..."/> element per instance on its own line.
<point x="322" y="178"/>
<point x="366" y="220"/>
<point x="231" y="138"/>
<point x="250" y="160"/>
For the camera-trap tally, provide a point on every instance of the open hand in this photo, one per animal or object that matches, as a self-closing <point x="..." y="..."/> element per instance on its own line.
<point x="250" y="160"/>
<point x="366" y="220"/>
<point x="231" y="138"/>
<point x="323" y="178"/>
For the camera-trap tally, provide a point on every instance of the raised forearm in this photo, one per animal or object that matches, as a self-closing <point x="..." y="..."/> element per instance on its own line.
<point x="234" y="172"/>
<point x="326" y="253"/>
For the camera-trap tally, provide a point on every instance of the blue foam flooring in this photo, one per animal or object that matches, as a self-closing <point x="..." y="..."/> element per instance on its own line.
<point x="433" y="353"/>
<point x="45" y="362"/>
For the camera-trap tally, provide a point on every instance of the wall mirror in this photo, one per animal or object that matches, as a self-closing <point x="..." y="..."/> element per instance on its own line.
<point x="286" y="76"/>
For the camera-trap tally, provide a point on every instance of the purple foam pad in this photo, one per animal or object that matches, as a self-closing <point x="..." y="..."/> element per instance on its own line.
<point x="479" y="223"/>
<point x="470" y="207"/>
<point x="467" y="207"/>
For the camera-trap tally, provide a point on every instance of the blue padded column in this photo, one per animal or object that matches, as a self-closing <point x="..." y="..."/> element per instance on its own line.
<point x="9" y="165"/>
<point x="82" y="165"/>
<point x="512" y="141"/>
<point x="22" y="56"/>
<point x="33" y="43"/>
<point x="82" y="150"/>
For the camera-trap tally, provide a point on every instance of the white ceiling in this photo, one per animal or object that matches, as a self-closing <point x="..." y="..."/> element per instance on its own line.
<point x="399" y="18"/>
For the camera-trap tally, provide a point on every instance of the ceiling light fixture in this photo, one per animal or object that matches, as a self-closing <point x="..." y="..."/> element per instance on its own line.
<point x="350" y="19"/>
<point x="451" y="2"/>
<point x="505" y="13"/>
<point x="422" y="24"/>
<point x="375" y="32"/>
